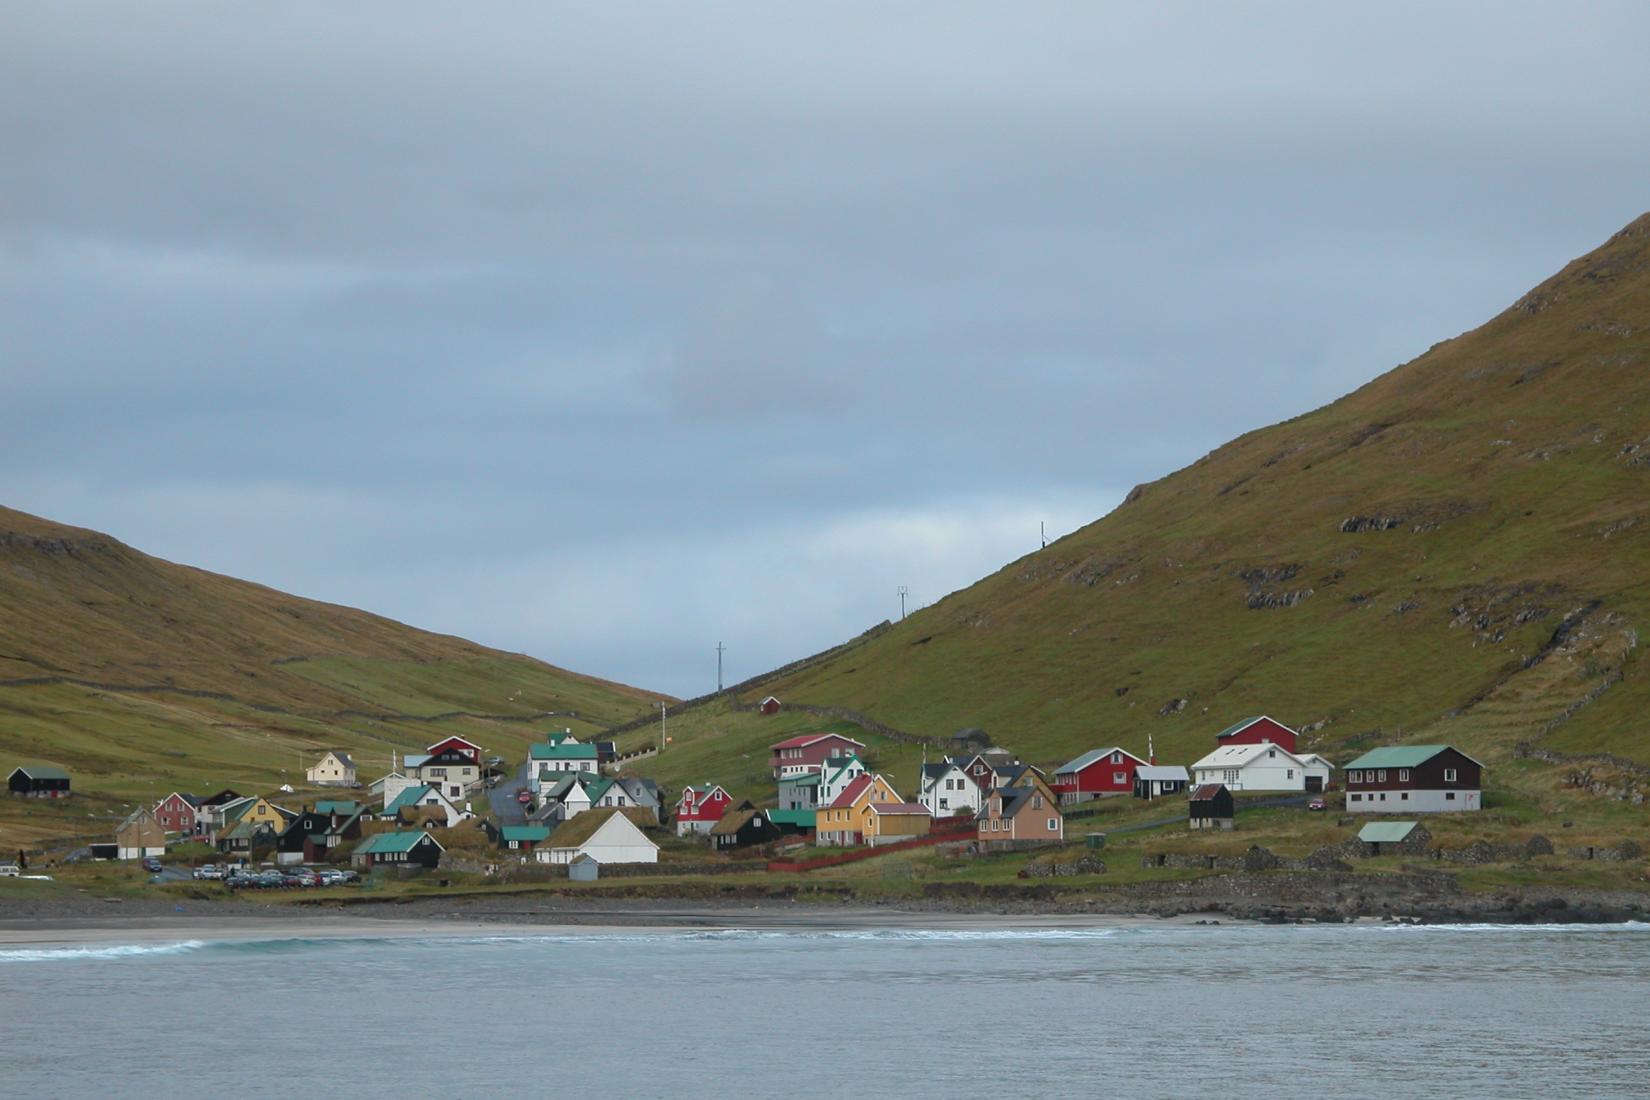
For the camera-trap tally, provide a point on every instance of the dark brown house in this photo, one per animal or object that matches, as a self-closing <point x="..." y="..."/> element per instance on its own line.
<point x="743" y="828"/>
<point x="1211" y="807"/>
<point x="39" y="781"/>
<point x="1414" y="779"/>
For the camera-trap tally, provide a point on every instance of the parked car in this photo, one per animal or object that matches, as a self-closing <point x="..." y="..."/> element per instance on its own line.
<point x="152" y="864"/>
<point x="10" y="870"/>
<point x="1315" y="804"/>
<point x="208" y="871"/>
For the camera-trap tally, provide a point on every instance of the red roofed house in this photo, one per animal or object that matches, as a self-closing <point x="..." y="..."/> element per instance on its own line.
<point x="1096" y="773"/>
<point x="1257" y="731"/>
<point x="176" y="812"/>
<point x="843" y="823"/>
<point x="770" y="705"/>
<point x="809" y="752"/>
<point x="700" y="808"/>
<point x="458" y="745"/>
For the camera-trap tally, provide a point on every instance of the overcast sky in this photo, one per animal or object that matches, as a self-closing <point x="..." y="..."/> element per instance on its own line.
<point x="606" y="332"/>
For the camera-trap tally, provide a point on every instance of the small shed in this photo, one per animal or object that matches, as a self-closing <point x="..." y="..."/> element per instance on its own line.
<point x="743" y="828"/>
<point x="1158" y="780"/>
<point x="1211" y="807"/>
<point x="970" y="740"/>
<point x="39" y="781"/>
<point x="1385" y="838"/>
<point x="770" y="705"/>
<point x="584" y="869"/>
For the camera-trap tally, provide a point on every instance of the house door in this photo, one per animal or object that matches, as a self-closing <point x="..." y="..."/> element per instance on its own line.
<point x="1314" y="784"/>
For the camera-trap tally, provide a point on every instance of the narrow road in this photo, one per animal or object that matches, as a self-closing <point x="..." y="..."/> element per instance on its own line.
<point x="502" y="798"/>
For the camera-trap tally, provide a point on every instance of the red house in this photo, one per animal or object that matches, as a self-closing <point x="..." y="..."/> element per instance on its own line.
<point x="700" y="808"/>
<point x="1095" y="773"/>
<point x="1257" y="731"/>
<point x="770" y="705"/>
<point x="176" y="812"/>
<point x="459" y="745"/>
<point x="809" y="752"/>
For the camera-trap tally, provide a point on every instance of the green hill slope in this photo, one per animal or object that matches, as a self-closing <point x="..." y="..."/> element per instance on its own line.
<point x="1459" y="549"/>
<point x="142" y="676"/>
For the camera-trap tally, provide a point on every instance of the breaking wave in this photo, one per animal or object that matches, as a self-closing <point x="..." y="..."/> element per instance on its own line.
<point x="104" y="951"/>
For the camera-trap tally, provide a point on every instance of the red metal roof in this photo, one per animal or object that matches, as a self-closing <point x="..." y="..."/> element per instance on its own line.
<point x="807" y="739"/>
<point x="852" y="791"/>
<point x="1206" y="792"/>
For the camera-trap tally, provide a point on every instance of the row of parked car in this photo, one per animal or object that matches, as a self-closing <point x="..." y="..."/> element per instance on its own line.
<point x="238" y="878"/>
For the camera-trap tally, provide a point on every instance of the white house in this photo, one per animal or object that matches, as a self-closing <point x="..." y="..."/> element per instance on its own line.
<point x="837" y="773"/>
<point x="422" y="796"/>
<point x="335" y="769"/>
<point x="947" y="791"/>
<point x="1262" y="767"/>
<point x="606" y="836"/>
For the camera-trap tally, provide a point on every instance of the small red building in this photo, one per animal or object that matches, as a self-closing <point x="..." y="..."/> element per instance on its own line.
<point x="468" y="749"/>
<point x="809" y="752"/>
<point x="700" y="808"/>
<point x="176" y="813"/>
<point x="1095" y="773"/>
<point x="1257" y="731"/>
<point x="770" y="705"/>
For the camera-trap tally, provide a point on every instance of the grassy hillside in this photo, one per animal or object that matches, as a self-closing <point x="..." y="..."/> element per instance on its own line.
<point x="141" y="676"/>
<point x="1460" y="549"/>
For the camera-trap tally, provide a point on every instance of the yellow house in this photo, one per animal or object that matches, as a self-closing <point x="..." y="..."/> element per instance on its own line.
<point x="843" y="822"/>
<point x="258" y="811"/>
<point x="891" y="822"/>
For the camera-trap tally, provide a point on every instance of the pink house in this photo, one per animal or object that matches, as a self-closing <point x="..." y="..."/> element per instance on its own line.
<point x="809" y="752"/>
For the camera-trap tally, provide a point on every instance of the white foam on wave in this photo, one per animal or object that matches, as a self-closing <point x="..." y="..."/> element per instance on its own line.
<point x="1574" y="926"/>
<point x="105" y="951"/>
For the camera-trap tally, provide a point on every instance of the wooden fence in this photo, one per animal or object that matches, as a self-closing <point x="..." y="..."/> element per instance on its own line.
<point x="942" y="837"/>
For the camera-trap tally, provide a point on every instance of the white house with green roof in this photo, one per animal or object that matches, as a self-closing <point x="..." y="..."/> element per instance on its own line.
<point x="414" y="799"/>
<point x="1414" y="779"/>
<point x="837" y="773"/>
<point x="548" y="761"/>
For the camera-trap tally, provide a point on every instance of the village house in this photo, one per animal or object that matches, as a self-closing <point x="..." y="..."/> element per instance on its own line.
<point x="176" y="813"/>
<point x="1414" y="779"/>
<point x="424" y="804"/>
<point x="605" y="836"/>
<point x="836" y="774"/>
<point x="644" y="794"/>
<point x="1257" y="731"/>
<point x="700" y="808"/>
<point x="742" y="829"/>
<point x="244" y="838"/>
<point x="140" y="835"/>
<point x="416" y="848"/>
<point x="971" y="740"/>
<point x="335" y="769"/>
<point x="842" y="823"/>
<point x="1017" y="816"/>
<point x="522" y="839"/>
<point x="1021" y="775"/>
<point x="550" y="762"/>
<point x="1095" y="774"/>
<point x="209" y="813"/>
<point x="948" y="791"/>
<point x="379" y="789"/>
<point x="453" y="766"/>
<point x="1210" y="807"/>
<point x="314" y="834"/>
<point x="39" y="781"/>
<point x="809" y="752"/>
<point x="770" y="705"/>
<point x="892" y="822"/>
<point x="800" y="792"/>
<point x="254" y="812"/>
<point x="1158" y="780"/>
<point x="794" y="822"/>
<point x="1262" y="766"/>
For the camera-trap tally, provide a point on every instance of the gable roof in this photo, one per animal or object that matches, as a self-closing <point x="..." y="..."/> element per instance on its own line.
<point x="1386" y="832"/>
<point x="599" y="787"/>
<point x="415" y="759"/>
<point x="188" y="799"/>
<point x="345" y="806"/>
<point x="733" y="821"/>
<point x="1402" y="756"/>
<point x="1238" y="727"/>
<point x="771" y="699"/>
<point x="1091" y="757"/>
<point x="1207" y="791"/>
<point x="897" y="808"/>
<point x="852" y="791"/>
<point x="804" y="740"/>
<point x="530" y="833"/>
<point x="390" y="843"/>
<point x="705" y="788"/>
<point x="450" y="740"/>
<point x="578" y="830"/>
<point x="41" y="771"/>
<point x="797" y="819"/>
<point x="1161" y="773"/>
<point x="1241" y="756"/>
<point x="341" y="756"/>
<point x="412" y="797"/>
<point x="805" y="779"/>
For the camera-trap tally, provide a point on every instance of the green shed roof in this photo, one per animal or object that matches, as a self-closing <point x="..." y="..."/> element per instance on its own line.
<point x="42" y="771"/>
<point x="337" y="806"/>
<point x="384" y="843"/>
<point x="525" y="832"/>
<point x="1385" y="832"/>
<point x="802" y="819"/>
<point x="407" y="798"/>
<point x="806" y="779"/>
<point x="1398" y="756"/>
<point x="562" y="752"/>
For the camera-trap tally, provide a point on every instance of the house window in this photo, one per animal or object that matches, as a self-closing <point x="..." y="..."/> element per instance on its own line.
<point x="1116" y="758"/>
<point x="1403" y="775"/>
<point x="1119" y="777"/>
<point x="1356" y="797"/>
<point x="1449" y="775"/>
<point x="1381" y="776"/>
<point x="1036" y="801"/>
<point x="1404" y="797"/>
<point x="1053" y="824"/>
<point x="1289" y="773"/>
<point x="1449" y="796"/>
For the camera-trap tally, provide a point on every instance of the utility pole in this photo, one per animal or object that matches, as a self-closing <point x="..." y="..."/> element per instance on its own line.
<point x="1042" y="531"/>
<point x="903" y="591"/>
<point x="661" y="726"/>
<point x="719" y="648"/>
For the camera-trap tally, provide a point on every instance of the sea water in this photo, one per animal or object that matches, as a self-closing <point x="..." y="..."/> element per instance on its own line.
<point x="1133" y="1011"/>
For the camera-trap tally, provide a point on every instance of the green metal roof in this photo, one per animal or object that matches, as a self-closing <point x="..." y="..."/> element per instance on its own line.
<point x="42" y="771"/>
<point x="1397" y="756"/>
<point x="597" y="788"/>
<point x="337" y="806"/>
<point x="806" y="779"/>
<point x="1385" y="832"/>
<point x="1236" y="726"/>
<point x="387" y="843"/>
<point x="562" y="752"/>
<point x="803" y="819"/>
<point x="533" y="833"/>
<point x="406" y="799"/>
